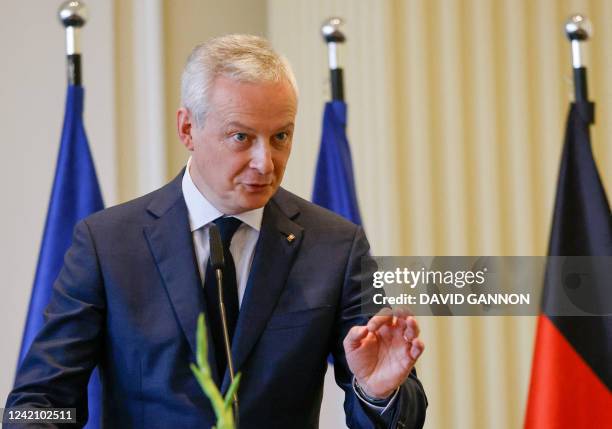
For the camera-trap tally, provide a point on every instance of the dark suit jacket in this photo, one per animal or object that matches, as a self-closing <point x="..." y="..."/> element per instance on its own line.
<point x="129" y="294"/>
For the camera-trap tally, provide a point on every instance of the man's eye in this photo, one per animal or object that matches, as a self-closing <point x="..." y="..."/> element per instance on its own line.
<point x="282" y="136"/>
<point x="240" y="137"/>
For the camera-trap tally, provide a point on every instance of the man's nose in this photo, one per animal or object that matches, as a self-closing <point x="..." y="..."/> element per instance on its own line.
<point x="261" y="158"/>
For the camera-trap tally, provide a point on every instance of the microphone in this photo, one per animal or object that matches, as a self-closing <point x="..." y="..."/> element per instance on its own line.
<point x="217" y="262"/>
<point x="217" y="259"/>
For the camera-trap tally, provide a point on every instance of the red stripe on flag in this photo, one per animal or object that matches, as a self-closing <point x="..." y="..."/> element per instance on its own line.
<point x="564" y="391"/>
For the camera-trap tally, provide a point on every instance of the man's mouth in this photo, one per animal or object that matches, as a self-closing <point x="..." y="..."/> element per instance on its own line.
<point x="256" y="187"/>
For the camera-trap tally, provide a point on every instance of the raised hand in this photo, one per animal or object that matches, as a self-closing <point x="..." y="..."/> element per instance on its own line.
<point x="382" y="353"/>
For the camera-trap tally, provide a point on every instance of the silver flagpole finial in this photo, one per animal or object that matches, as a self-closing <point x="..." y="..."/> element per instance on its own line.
<point x="72" y="15"/>
<point x="577" y="29"/>
<point x="331" y="30"/>
<point x="332" y="34"/>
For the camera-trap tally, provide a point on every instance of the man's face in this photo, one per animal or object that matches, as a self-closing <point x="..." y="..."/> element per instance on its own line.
<point x="240" y="153"/>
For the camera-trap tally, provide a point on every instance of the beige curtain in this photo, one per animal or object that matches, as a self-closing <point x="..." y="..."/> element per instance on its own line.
<point x="456" y="120"/>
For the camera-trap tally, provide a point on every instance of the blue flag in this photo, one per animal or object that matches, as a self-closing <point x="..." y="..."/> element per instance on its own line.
<point x="334" y="186"/>
<point x="75" y="195"/>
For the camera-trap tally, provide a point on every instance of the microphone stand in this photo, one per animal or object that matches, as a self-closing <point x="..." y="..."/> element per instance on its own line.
<point x="217" y="261"/>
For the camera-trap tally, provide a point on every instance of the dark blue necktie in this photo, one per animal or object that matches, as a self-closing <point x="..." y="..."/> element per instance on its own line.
<point x="227" y="228"/>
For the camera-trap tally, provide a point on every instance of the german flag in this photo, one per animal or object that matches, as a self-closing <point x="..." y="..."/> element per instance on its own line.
<point x="571" y="378"/>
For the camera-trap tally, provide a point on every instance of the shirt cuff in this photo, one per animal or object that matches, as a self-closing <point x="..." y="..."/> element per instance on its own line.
<point x="380" y="409"/>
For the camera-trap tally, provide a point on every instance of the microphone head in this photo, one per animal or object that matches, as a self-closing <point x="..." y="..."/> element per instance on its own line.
<point x="217" y="260"/>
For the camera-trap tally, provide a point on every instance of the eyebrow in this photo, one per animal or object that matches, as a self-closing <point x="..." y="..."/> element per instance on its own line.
<point x="235" y="124"/>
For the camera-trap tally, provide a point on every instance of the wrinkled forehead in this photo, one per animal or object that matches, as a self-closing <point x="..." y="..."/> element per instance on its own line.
<point x="274" y="103"/>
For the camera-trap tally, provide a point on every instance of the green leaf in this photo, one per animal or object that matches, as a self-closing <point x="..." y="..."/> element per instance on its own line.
<point x="229" y="395"/>
<point x="201" y="371"/>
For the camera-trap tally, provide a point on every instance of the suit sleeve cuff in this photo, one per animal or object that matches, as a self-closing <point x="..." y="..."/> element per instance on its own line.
<point x="380" y="408"/>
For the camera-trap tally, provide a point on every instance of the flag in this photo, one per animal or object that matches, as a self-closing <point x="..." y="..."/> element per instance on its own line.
<point x="334" y="186"/>
<point x="75" y="195"/>
<point x="571" y="379"/>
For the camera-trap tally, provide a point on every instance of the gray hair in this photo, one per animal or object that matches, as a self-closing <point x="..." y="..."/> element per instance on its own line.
<point x="242" y="57"/>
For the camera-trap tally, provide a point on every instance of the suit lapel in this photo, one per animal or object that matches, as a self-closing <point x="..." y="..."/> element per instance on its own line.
<point x="279" y="241"/>
<point x="171" y="244"/>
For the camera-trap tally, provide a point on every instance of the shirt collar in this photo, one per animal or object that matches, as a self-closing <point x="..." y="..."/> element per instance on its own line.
<point x="202" y="212"/>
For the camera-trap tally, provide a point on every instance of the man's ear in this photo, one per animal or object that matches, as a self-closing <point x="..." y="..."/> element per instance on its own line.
<point x="184" y="126"/>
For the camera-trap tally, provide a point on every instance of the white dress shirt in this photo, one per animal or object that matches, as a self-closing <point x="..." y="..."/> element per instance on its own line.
<point x="202" y="213"/>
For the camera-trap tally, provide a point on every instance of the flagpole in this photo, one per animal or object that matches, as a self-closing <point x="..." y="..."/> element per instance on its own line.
<point x="333" y="35"/>
<point x="578" y="29"/>
<point x="73" y="16"/>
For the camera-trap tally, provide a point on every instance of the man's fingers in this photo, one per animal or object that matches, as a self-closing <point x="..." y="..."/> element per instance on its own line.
<point x="417" y="349"/>
<point x="412" y="329"/>
<point x="401" y="324"/>
<point x="354" y="337"/>
<point x="403" y="312"/>
<point x="383" y="317"/>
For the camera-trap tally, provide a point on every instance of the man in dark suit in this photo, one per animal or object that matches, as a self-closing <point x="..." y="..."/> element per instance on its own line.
<point x="136" y="278"/>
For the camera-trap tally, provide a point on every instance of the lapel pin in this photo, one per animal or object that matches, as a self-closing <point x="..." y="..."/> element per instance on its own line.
<point x="290" y="238"/>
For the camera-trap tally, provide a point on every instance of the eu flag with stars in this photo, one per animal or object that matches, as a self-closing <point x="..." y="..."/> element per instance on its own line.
<point x="75" y="195"/>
